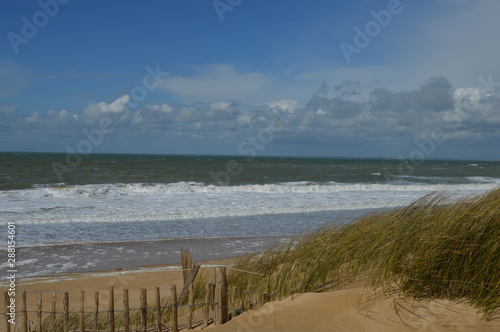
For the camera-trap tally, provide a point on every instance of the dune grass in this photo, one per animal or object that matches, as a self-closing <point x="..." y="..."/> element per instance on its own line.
<point x="432" y="248"/>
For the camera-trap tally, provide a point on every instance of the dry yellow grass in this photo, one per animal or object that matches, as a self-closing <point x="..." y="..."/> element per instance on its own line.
<point x="433" y="248"/>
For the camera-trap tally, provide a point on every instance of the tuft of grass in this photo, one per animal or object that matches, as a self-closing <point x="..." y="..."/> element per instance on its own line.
<point x="433" y="248"/>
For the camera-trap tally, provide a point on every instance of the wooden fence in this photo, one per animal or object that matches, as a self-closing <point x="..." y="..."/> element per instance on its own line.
<point x="159" y="314"/>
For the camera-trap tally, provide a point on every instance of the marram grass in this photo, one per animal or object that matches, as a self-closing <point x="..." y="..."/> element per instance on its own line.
<point x="432" y="248"/>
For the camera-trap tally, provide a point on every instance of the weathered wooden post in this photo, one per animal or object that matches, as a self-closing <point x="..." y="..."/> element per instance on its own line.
<point x="6" y="304"/>
<point x="96" y="311"/>
<point x="234" y="302"/>
<point x="111" y="313"/>
<point x="175" y="311"/>
<point x="126" y="310"/>
<point x="66" y="311"/>
<point x="221" y="295"/>
<point x="208" y="299"/>
<point x="189" y="281"/>
<point x="187" y="264"/>
<point x="24" y="311"/>
<point x="190" y="307"/>
<point x="144" y="309"/>
<point x="158" y="310"/>
<point x="82" y="311"/>
<point x="39" y="311"/>
<point x="54" y="302"/>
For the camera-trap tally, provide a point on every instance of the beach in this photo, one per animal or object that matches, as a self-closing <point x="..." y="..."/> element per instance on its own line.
<point x="355" y="308"/>
<point x="249" y="166"/>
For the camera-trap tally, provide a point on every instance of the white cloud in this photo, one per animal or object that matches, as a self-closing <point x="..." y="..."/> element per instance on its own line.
<point x="216" y="82"/>
<point x="95" y="112"/>
<point x="220" y="105"/>
<point x="165" y="108"/>
<point x="284" y="104"/>
<point x="62" y="115"/>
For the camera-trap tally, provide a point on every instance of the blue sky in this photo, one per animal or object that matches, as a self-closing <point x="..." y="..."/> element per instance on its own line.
<point x="419" y="74"/>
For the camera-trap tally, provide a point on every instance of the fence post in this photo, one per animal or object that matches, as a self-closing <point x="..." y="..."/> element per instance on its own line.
<point x="144" y="309"/>
<point x="111" y="313"/>
<point x="187" y="264"/>
<point x="126" y="310"/>
<point x="54" y="302"/>
<point x="24" y="311"/>
<point x="190" y="307"/>
<point x="221" y="294"/>
<point x="212" y="298"/>
<point x="39" y="311"/>
<point x="6" y="303"/>
<point x="234" y="304"/>
<point x="206" y="309"/>
<point x="189" y="281"/>
<point x="82" y="311"/>
<point x="96" y="311"/>
<point x="175" y="312"/>
<point x="158" y="310"/>
<point x="66" y="311"/>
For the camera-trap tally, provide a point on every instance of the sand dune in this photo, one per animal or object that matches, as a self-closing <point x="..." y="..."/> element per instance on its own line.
<point x="357" y="310"/>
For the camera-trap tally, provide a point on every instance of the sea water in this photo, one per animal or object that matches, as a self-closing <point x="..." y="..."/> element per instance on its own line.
<point x="117" y="211"/>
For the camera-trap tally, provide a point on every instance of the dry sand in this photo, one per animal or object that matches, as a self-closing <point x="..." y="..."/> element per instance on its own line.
<point x="133" y="279"/>
<point x="354" y="309"/>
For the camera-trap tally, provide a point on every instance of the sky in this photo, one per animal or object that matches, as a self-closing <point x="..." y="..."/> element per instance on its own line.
<point x="397" y="79"/>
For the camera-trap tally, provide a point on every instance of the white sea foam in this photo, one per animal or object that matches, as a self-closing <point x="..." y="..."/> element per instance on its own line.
<point x="483" y="179"/>
<point x="191" y="200"/>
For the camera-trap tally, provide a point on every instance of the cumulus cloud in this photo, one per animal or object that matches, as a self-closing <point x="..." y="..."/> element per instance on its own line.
<point x="287" y="105"/>
<point x="94" y="112"/>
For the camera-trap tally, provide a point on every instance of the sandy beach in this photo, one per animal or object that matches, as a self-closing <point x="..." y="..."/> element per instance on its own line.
<point x="149" y="277"/>
<point x="352" y="309"/>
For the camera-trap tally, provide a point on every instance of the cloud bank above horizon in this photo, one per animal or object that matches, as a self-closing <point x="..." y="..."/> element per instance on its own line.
<point x="345" y="114"/>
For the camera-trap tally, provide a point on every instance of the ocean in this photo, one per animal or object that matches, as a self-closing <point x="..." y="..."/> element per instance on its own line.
<point x="112" y="211"/>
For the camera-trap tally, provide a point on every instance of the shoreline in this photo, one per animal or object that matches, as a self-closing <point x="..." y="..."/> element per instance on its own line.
<point x="94" y="257"/>
<point x="223" y="261"/>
